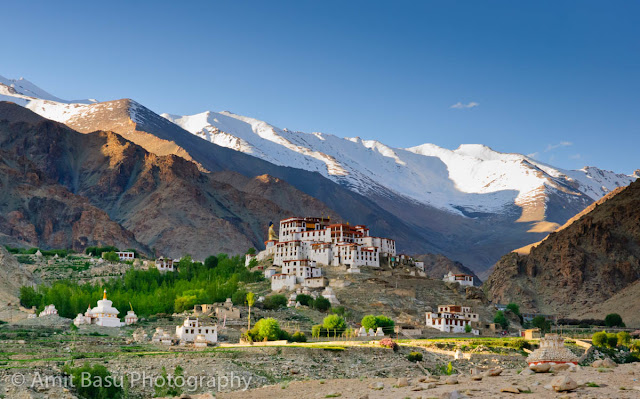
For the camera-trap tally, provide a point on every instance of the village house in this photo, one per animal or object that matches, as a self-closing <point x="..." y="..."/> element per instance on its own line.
<point x="191" y="329"/>
<point x="452" y="318"/>
<point x="460" y="278"/>
<point x="164" y="264"/>
<point x="123" y="255"/>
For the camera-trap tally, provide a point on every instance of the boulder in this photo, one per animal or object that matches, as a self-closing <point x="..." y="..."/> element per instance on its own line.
<point x="597" y="364"/>
<point x="494" y="372"/>
<point x="378" y="386"/>
<point x="563" y="384"/>
<point x="527" y="371"/>
<point x="402" y="382"/>
<point x="451" y="380"/>
<point x="510" y="390"/>
<point x="608" y="363"/>
<point x="540" y="368"/>
<point x="559" y="367"/>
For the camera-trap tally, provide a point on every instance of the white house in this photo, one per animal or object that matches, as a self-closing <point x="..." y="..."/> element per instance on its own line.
<point x="164" y="265"/>
<point x="452" y="318"/>
<point x="280" y="281"/>
<point x="191" y="329"/>
<point x="125" y="255"/>
<point x="270" y="272"/>
<point x="462" y="279"/>
<point x="49" y="310"/>
<point x="104" y="315"/>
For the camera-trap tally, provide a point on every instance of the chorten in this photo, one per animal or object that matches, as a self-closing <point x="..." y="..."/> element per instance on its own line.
<point x="552" y="351"/>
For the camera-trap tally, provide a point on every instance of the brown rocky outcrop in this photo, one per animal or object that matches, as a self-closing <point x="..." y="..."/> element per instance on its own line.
<point x="588" y="261"/>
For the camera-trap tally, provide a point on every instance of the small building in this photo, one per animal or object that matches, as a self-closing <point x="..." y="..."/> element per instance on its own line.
<point x="281" y="281"/>
<point x="419" y="265"/>
<point x="164" y="265"/>
<point x="227" y="311"/>
<point x="191" y="328"/>
<point x="531" y="333"/>
<point x="49" y="310"/>
<point x="124" y="256"/>
<point x="452" y="318"/>
<point x="462" y="279"/>
<point x="270" y="272"/>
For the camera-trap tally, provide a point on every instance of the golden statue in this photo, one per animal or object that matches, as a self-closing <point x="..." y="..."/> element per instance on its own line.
<point x="272" y="233"/>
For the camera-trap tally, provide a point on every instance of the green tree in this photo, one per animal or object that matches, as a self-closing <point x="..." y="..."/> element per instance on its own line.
<point x="322" y="304"/>
<point x="251" y="251"/>
<point x="612" y="340"/>
<point x="501" y="319"/>
<point x="29" y="297"/>
<point x="305" y="300"/>
<point x="613" y="320"/>
<point x="266" y="330"/>
<point x="251" y="300"/>
<point x="334" y="322"/>
<point x="513" y="307"/>
<point x="624" y="338"/>
<point x="468" y="328"/>
<point x="542" y="323"/>
<point x="275" y="302"/>
<point x="599" y="339"/>
<point x="211" y="262"/>
<point x="373" y="322"/>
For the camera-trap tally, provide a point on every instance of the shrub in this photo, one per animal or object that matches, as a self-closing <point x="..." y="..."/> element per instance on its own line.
<point x="599" y="339"/>
<point x="501" y="319"/>
<point x="389" y="343"/>
<point x="624" y="338"/>
<point x="612" y="340"/>
<point x="520" y="344"/>
<point x="467" y="328"/>
<point x="275" y="302"/>
<point x="635" y="345"/>
<point x="613" y="320"/>
<point x="322" y="304"/>
<point x="305" y="300"/>
<point x="111" y="256"/>
<point x="298" y="336"/>
<point x="414" y="357"/>
<point x="93" y="373"/>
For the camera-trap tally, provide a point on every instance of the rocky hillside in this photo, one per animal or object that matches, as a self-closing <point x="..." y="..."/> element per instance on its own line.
<point x="594" y="259"/>
<point x="436" y="266"/>
<point x="66" y="189"/>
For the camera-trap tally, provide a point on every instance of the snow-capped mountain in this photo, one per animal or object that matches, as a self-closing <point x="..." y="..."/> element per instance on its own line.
<point x="471" y="178"/>
<point x="472" y="204"/>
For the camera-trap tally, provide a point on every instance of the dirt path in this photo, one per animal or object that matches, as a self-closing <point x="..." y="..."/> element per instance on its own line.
<point x="621" y="382"/>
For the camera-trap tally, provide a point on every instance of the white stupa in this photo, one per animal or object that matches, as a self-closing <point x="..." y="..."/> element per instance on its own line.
<point x="104" y="314"/>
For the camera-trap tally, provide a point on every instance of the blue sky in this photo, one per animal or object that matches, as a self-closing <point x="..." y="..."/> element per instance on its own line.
<point x="558" y="79"/>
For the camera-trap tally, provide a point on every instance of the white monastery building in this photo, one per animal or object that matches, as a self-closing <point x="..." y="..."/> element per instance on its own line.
<point x="306" y="242"/>
<point x="462" y="279"/>
<point x="192" y="329"/>
<point x="104" y="315"/>
<point x="452" y="318"/>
